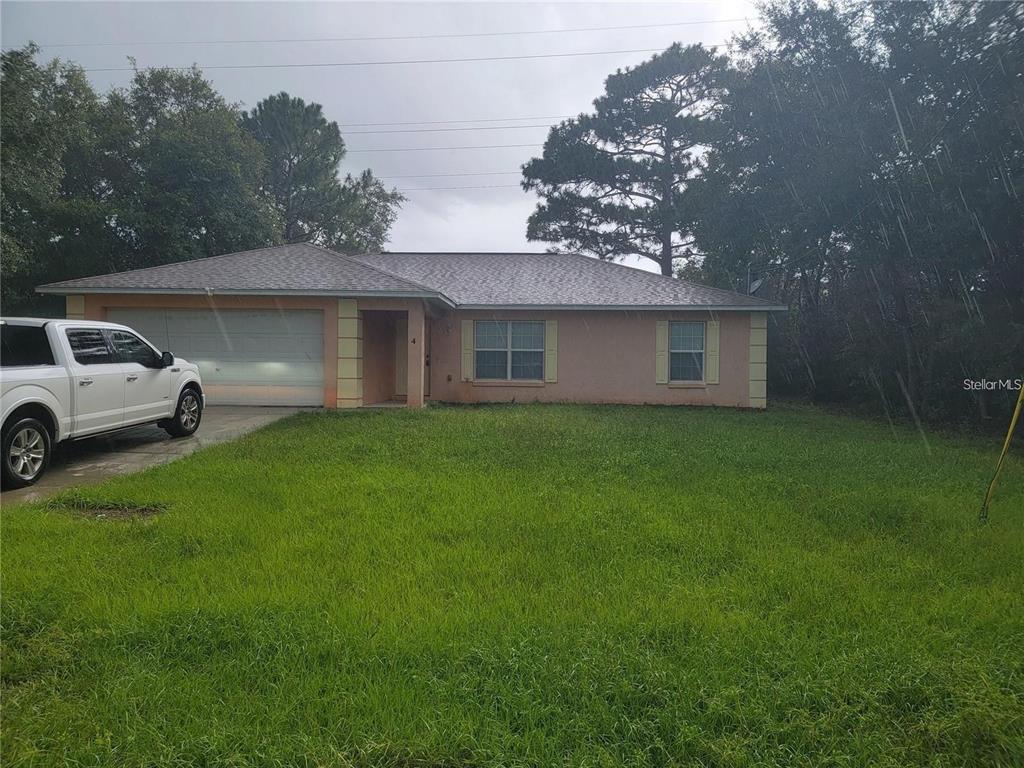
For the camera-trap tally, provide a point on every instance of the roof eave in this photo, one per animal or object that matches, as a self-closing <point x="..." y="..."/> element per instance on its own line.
<point x="60" y="289"/>
<point x="635" y="307"/>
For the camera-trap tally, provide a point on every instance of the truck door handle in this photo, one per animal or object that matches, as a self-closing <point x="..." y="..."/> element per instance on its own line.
<point x="84" y="382"/>
<point x="133" y="377"/>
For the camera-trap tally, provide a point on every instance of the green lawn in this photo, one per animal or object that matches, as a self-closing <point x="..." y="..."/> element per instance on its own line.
<point x="526" y="585"/>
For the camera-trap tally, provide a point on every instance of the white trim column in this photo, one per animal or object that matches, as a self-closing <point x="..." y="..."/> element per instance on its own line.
<point x="416" y="351"/>
<point x="350" y="354"/>
<point x="74" y="307"/>
<point x="758" y="360"/>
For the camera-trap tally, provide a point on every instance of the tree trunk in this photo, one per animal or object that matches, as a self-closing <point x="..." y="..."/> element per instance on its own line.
<point x="667" y="204"/>
<point x="665" y="262"/>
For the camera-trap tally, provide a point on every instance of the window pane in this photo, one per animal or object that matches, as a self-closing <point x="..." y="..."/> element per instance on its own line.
<point x="491" y="365"/>
<point x="687" y="366"/>
<point x="131" y="349"/>
<point x="491" y="334"/>
<point x="528" y="365"/>
<point x="24" y="345"/>
<point x="89" y="347"/>
<point x="686" y="337"/>
<point x="527" y="335"/>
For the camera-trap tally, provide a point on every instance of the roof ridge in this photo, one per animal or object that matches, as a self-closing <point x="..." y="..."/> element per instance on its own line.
<point x="406" y="280"/>
<point x="458" y="253"/>
<point x="723" y="291"/>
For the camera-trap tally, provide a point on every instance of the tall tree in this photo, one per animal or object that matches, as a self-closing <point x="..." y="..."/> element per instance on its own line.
<point x="157" y="172"/>
<point x="187" y="175"/>
<point x="301" y="181"/>
<point x="872" y="172"/>
<point x="46" y="109"/>
<point x="616" y="182"/>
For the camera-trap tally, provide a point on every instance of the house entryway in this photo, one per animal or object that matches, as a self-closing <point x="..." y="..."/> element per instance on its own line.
<point x="385" y="359"/>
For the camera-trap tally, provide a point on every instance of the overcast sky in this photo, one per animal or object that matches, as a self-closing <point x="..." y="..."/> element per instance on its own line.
<point x="533" y="91"/>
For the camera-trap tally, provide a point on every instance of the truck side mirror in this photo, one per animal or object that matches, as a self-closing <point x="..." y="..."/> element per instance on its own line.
<point x="167" y="359"/>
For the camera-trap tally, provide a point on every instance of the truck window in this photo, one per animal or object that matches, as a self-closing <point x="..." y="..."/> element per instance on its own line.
<point x="24" y="345"/>
<point x="131" y="349"/>
<point x="89" y="347"/>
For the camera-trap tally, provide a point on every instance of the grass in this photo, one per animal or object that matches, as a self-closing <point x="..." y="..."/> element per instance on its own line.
<point x="526" y="586"/>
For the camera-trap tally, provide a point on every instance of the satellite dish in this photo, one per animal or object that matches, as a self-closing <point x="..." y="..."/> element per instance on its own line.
<point x="756" y="284"/>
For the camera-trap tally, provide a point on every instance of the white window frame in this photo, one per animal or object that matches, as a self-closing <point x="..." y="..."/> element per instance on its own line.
<point x="703" y="351"/>
<point x="508" y="349"/>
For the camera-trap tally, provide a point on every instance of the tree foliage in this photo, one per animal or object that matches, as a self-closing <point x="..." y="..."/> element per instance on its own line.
<point x="871" y="173"/>
<point x="303" y="152"/>
<point x="863" y="162"/>
<point x="45" y="112"/>
<point x="186" y="173"/>
<point x="163" y="170"/>
<point x="617" y="182"/>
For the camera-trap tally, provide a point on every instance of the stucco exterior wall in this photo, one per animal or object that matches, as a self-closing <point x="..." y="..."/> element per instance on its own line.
<point x="603" y="357"/>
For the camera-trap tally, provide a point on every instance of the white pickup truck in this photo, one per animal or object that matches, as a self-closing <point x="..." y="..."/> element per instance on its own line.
<point x="68" y="379"/>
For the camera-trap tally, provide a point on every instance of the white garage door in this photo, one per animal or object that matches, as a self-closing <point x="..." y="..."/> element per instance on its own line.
<point x="246" y="357"/>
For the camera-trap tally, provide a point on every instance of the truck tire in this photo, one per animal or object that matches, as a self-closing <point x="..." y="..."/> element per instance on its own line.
<point x="187" y="414"/>
<point x="26" y="448"/>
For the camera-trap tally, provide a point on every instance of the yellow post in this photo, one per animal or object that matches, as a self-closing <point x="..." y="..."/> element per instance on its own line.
<point x="983" y="515"/>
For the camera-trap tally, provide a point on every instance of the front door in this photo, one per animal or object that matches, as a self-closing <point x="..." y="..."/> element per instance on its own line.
<point x="147" y="389"/>
<point x="97" y="382"/>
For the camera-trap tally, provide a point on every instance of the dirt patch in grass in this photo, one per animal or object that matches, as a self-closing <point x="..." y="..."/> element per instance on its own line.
<point x="103" y="509"/>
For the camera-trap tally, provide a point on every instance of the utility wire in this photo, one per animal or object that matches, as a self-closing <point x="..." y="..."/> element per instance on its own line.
<point x="469" y="120"/>
<point x="445" y="175"/>
<point x="390" y="62"/>
<point x="483" y="186"/>
<point x="442" y="130"/>
<point x="429" y="149"/>
<point x="428" y="36"/>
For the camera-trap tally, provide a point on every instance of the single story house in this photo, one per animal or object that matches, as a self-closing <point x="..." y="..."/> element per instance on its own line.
<point x="302" y="325"/>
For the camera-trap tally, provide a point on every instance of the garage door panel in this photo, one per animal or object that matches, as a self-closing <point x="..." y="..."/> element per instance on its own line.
<point x="243" y="372"/>
<point x="284" y="347"/>
<point x="250" y="357"/>
<point x="153" y="330"/>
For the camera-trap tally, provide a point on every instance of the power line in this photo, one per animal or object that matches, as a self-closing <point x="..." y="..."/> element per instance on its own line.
<point x="437" y="189"/>
<point x="445" y="175"/>
<point x="447" y="35"/>
<point x="428" y="149"/>
<point x="468" y="120"/>
<point x="442" y="130"/>
<point x="519" y="57"/>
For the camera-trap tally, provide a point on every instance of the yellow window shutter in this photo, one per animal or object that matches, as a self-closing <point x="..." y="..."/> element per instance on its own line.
<point x="467" y="350"/>
<point x="712" y="353"/>
<point x="551" y="350"/>
<point x="661" y="352"/>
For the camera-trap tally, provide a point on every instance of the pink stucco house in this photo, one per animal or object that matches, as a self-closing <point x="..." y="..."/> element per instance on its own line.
<point x="302" y="325"/>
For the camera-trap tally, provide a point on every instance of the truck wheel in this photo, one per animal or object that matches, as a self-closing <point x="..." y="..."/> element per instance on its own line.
<point x="26" y="453"/>
<point x="187" y="415"/>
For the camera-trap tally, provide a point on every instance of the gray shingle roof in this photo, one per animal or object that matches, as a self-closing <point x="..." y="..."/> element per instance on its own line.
<point x="549" y="279"/>
<point x="465" y="279"/>
<point x="300" y="268"/>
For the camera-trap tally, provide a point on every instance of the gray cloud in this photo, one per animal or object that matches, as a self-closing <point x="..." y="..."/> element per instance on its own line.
<point x="486" y="219"/>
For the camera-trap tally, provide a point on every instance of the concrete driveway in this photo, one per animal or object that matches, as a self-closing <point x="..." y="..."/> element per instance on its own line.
<point x="94" y="459"/>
